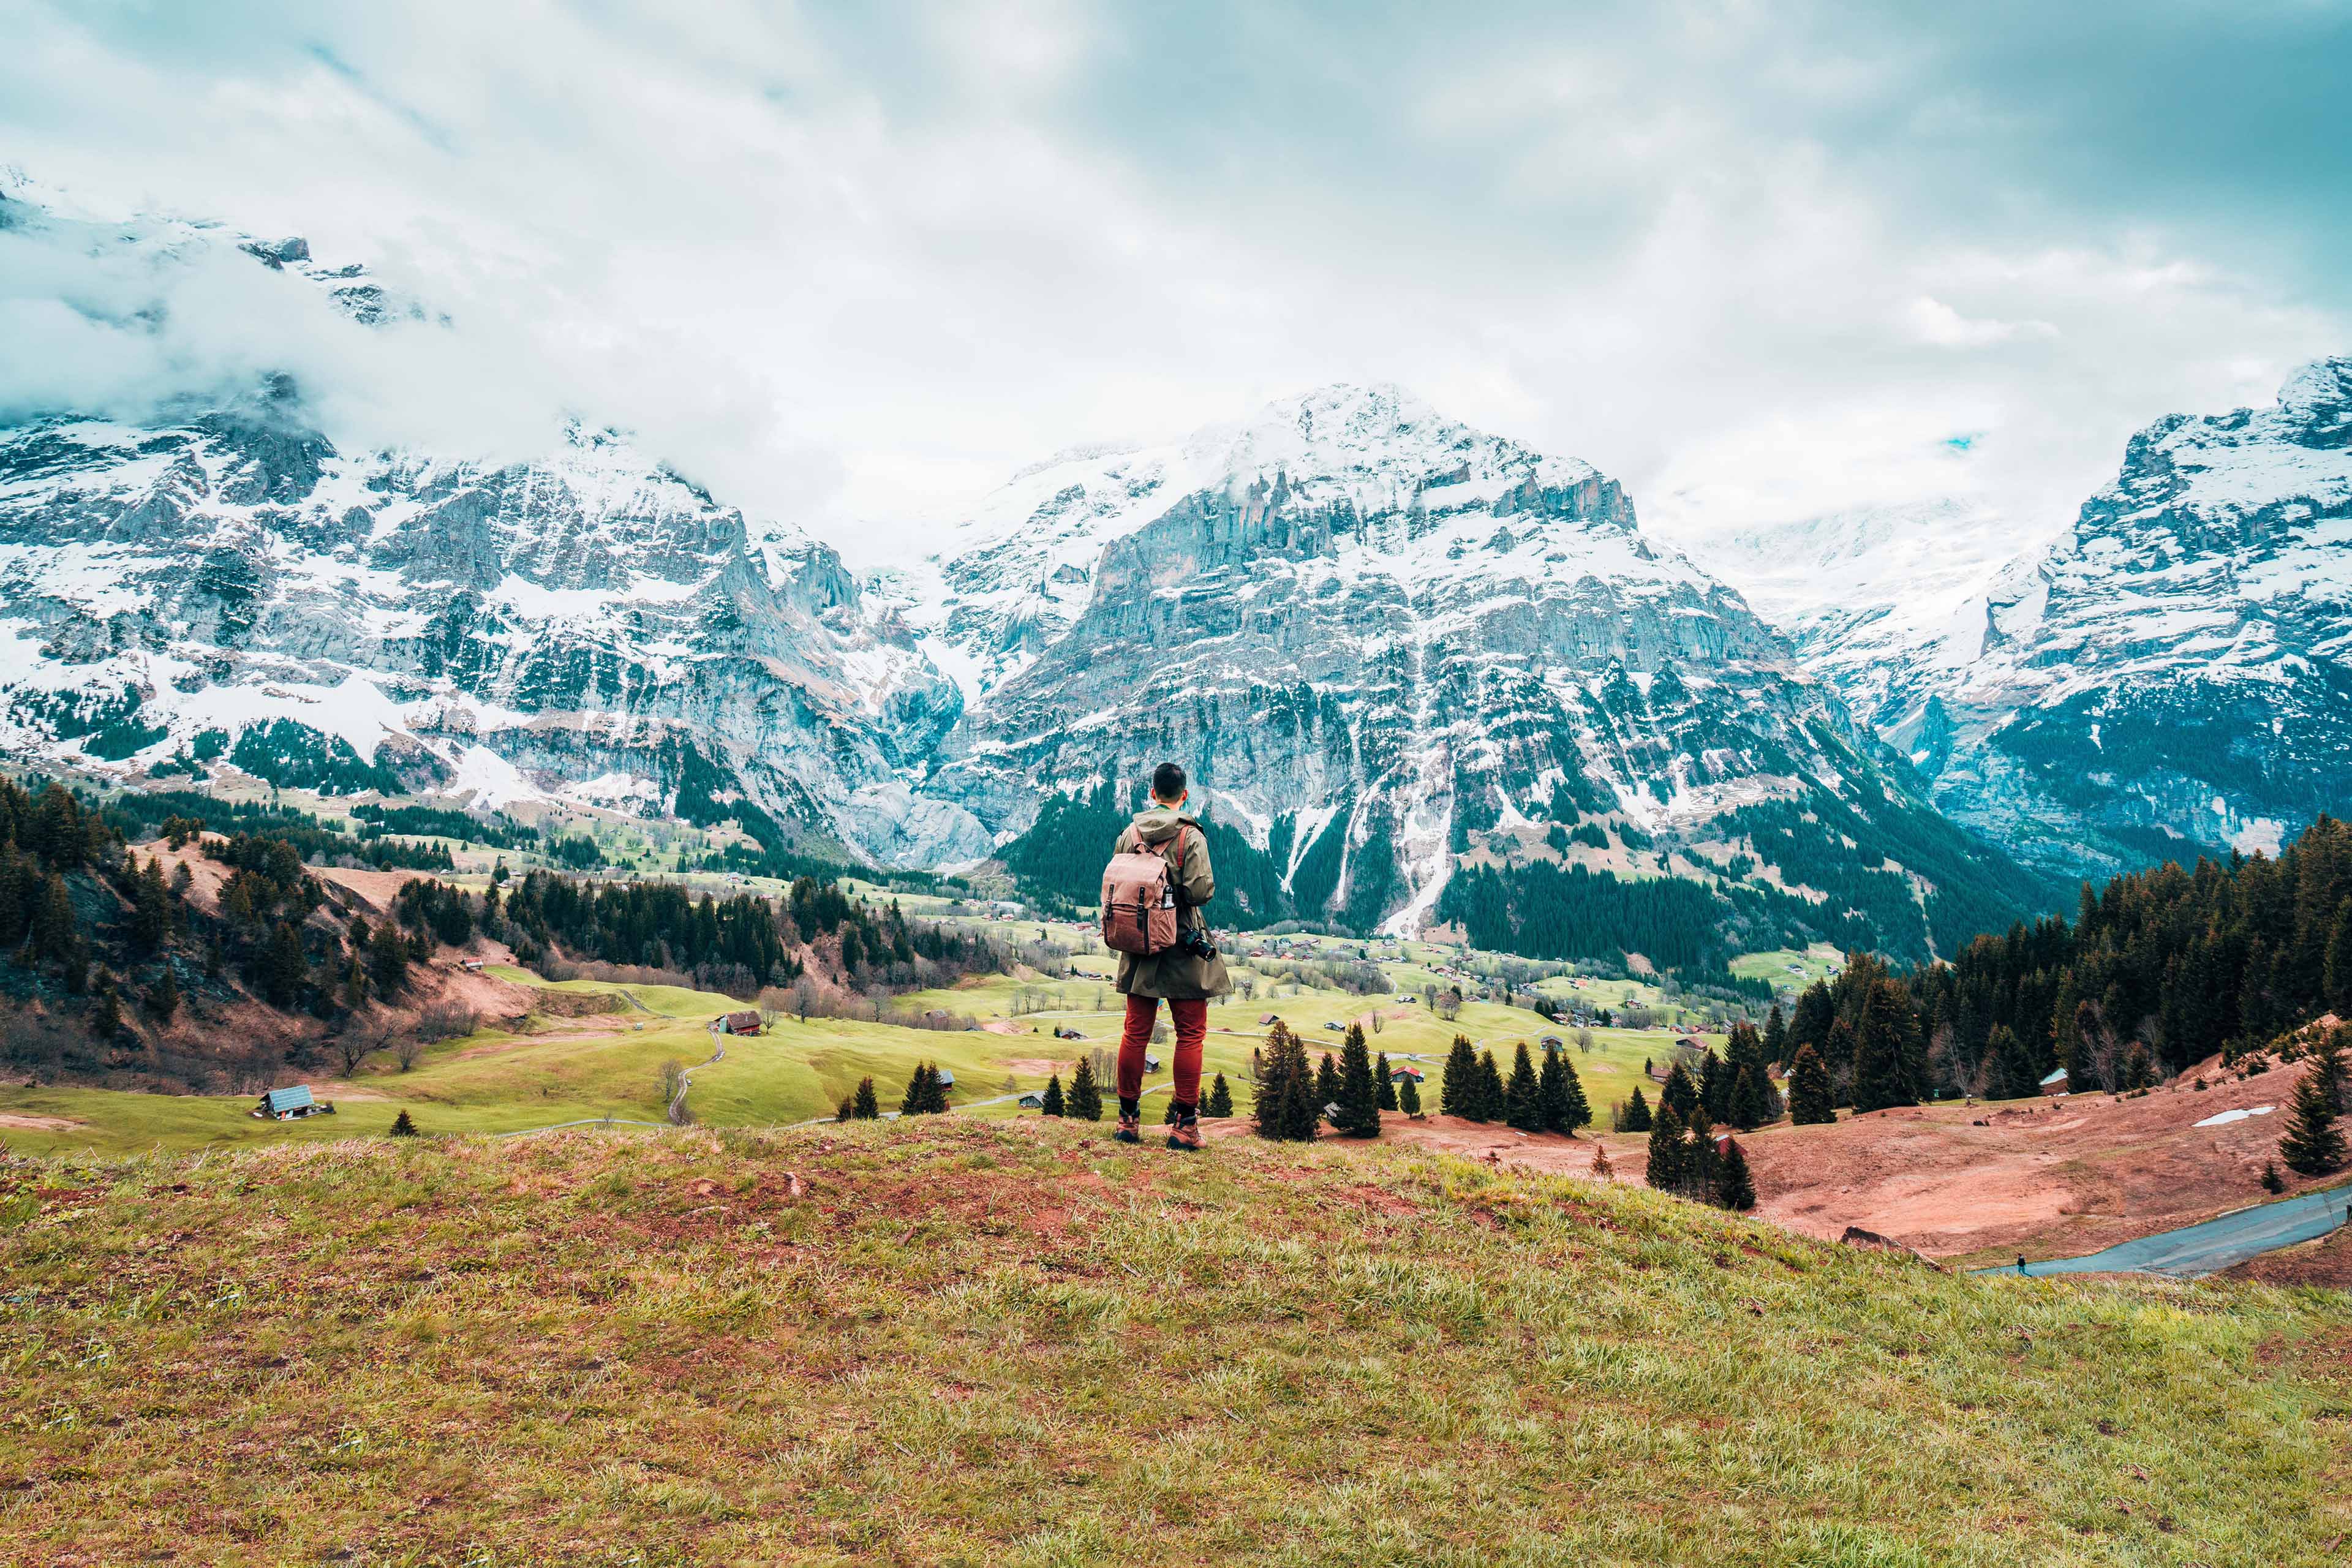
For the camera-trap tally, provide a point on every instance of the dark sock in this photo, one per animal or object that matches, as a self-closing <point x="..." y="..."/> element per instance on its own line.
<point x="1183" y="1113"/>
<point x="1130" y="1107"/>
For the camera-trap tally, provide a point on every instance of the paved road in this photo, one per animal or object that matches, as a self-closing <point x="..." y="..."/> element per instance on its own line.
<point x="2213" y="1245"/>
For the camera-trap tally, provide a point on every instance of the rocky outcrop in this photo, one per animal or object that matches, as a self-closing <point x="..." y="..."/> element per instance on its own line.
<point x="2169" y="674"/>
<point x="1386" y="645"/>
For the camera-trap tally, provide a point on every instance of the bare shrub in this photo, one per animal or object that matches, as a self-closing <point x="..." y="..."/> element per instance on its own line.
<point x="358" y="1041"/>
<point x="447" y="1021"/>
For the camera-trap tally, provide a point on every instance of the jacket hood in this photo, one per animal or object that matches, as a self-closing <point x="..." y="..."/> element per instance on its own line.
<point x="1159" y="824"/>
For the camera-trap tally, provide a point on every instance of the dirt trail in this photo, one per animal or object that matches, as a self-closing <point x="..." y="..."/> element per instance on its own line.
<point x="2047" y="1178"/>
<point x="2044" y="1178"/>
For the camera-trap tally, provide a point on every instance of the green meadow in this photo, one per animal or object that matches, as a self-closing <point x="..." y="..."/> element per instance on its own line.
<point x="947" y="1341"/>
<point x="560" y="1070"/>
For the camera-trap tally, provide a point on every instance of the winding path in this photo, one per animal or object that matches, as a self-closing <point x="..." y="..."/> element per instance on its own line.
<point x="2211" y="1245"/>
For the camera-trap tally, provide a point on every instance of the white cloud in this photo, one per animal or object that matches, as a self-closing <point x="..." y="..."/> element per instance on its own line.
<point x="850" y="267"/>
<point x="1936" y="323"/>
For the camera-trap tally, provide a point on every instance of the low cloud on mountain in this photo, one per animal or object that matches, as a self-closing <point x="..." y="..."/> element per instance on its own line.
<point x="855" y="264"/>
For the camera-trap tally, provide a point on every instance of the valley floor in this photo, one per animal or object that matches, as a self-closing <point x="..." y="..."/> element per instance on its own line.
<point x="957" y="1341"/>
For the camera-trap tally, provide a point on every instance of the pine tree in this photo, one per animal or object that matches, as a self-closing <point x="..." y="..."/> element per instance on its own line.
<point x="1360" y="1096"/>
<point x="1603" y="1170"/>
<point x="105" y="1011"/>
<point x="2312" y="1144"/>
<point x="163" y="997"/>
<point x="918" y="1099"/>
<point x="1551" y="1090"/>
<point x="1734" y="1189"/>
<point x="1637" y="1114"/>
<point x="1664" y="1172"/>
<point x="2138" y="1071"/>
<point x="1679" y="1093"/>
<point x="935" y="1093"/>
<point x="1085" y="1101"/>
<point x="1457" y="1091"/>
<point x="282" y="968"/>
<point x="1286" y="1107"/>
<point x="1387" y="1085"/>
<point x="1837" y="1060"/>
<point x="2336" y="970"/>
<point x="1326" y="1082"/>
<point x="1579" y="1109"/>
<point x="1523" y="1095"/>
<point x="1054" y="1106"/>
<point x="1776" y="1039"/>
<point x="1816" y="1013"/>
<point x="1491" y="1096"/>
<point x="1220" y="1102"/>
<point x="1881" y="1076"/>
<point x="1714" y="1086"/>
<point x="1701" y="1164"/>
<point x="150" y="908"/>
<point x="2271" y="1180"/>
<point x="1748" y="1104"/>
<point x="1749" y="1099"/>
<point x="865" y="1104"/>
<point x="1811" y="1099"/>
<point x="403" y="1125"/>
<point x="51" y="928"/>
<point x="2008" y="1072"/>
<point x="1409" y="1097"/>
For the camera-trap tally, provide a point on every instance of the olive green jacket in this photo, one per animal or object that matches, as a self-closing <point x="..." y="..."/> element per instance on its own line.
<point x="1174" y="975"/>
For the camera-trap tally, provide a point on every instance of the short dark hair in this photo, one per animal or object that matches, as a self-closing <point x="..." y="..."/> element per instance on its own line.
<point x="1167" y="782"/>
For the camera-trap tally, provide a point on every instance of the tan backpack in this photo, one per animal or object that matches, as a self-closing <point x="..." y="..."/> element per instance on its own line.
<point x="1139" y="900"/>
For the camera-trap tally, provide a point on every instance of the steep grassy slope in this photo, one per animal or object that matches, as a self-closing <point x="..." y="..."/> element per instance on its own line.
<point x="969" y="1343"/>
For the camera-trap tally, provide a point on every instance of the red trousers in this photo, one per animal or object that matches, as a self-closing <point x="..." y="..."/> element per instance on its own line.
<point x="1192" y="1020"/>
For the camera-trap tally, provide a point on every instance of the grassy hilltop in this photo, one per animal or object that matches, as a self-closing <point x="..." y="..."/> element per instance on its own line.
<point x="961" y="1341"/>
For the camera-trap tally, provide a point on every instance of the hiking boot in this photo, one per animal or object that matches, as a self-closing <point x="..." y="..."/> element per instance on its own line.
<point x="1185" y="1133"/>
<point x="1130" y="1128"/>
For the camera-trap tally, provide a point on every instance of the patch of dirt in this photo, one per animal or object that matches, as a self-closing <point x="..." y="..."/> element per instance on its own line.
<point x="2327" y="1261"/>
<point x="1039" y="1066"/>
<point x="380" y="889"/>
<point x="39" y="1123"/>
<point x="577" y="1003"/>
<point x="1007" y="1026"/>
<point x="1490" y="1141"/>
<point x="2048" y="1178"/>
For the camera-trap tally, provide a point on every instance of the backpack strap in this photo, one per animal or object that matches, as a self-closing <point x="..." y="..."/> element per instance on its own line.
<point x="1174" y="855"/>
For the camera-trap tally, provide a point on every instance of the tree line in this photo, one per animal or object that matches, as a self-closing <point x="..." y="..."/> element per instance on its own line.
<point x="2159" y="970"/>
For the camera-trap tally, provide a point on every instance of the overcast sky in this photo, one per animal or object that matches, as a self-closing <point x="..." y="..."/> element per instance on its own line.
<point x="851" y="263"/>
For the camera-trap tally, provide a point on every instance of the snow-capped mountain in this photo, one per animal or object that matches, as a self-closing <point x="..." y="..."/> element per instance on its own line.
<point x="2171" y="672"/>
<point x="224" y="586"/>
<point x="1392" y="647"/>
<point x="2162" y="677"/>
<point x="1881" y="602"/>
<point x="1388" y="644"/>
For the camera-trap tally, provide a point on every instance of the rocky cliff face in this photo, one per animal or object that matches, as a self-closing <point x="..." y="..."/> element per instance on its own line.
<point x="225" y="588"/>
<point x="1387" y="644"/>
<point x="1389" y="647"/>
<point x="2163" y="676"/>
<point x="2171" y="673"/>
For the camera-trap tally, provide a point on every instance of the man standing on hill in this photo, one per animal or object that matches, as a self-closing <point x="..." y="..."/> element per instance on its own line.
<point x="1185" y="976"/>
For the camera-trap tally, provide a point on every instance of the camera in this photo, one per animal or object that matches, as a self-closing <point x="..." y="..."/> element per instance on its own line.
<point x="1197" y="941"/>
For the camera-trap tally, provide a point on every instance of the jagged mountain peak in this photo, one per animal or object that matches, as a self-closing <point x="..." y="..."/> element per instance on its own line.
<point x="1365" y="468"/>
<point x="2160" y="675"/>
<point x="2319" y="395"/>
